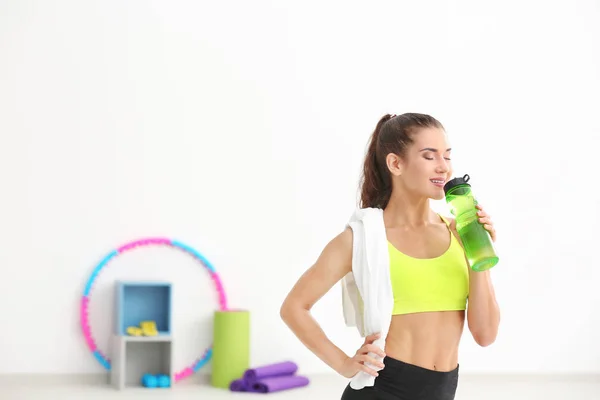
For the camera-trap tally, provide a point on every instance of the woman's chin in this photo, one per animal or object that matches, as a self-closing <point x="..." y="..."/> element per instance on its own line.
<point x="438" y="195"/>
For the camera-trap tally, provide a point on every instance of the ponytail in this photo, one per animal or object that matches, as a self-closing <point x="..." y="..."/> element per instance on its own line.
<point x="376" y="188"/>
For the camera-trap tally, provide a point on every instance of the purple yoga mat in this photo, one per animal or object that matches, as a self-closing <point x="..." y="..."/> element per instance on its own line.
<point x="253" y="375"/>
<point x="239" y="385"/>
<point x="268" y="385"/>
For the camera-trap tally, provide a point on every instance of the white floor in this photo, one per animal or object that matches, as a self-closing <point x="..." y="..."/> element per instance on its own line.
<point x="321" y="387"/>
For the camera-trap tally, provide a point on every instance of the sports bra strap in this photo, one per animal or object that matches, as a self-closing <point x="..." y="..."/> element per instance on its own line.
<point x="445" y="220"/>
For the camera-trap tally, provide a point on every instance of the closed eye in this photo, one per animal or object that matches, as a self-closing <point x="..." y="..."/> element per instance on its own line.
<point x="431" y="158"/>
<point x="432" y="150"/>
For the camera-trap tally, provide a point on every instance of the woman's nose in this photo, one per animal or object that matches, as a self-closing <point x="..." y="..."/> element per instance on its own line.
<point x="443" y="167"/>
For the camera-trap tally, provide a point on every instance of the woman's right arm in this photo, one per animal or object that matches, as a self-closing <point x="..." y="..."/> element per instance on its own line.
<point x="334" y="262"/>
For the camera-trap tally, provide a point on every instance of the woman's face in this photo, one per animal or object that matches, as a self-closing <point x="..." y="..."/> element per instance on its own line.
<point x="426" y="165"/>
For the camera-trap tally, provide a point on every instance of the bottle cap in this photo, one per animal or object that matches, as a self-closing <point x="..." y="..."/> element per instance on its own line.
<point x="456" y="182"/>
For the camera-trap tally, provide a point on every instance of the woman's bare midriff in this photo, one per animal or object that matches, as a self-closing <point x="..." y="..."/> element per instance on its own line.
<point x="429" y="340"/>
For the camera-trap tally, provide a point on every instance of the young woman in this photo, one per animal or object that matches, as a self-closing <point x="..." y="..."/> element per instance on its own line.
<point x="407" y="164"/>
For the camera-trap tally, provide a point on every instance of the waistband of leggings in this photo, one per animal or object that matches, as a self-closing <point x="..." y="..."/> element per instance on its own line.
<point x="395" y="364"/>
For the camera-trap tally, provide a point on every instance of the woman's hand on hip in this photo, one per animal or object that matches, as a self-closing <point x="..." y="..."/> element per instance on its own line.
<point x="352" y="365"/>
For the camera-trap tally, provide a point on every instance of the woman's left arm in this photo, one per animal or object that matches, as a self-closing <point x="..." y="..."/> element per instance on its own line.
<point x="483" y="312"/>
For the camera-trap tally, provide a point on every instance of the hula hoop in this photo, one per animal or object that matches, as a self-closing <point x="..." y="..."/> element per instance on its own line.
<point x="84" y="312"/>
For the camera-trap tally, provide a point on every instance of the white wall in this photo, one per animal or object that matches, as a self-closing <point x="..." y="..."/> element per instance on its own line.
<point x="240" y="129"/>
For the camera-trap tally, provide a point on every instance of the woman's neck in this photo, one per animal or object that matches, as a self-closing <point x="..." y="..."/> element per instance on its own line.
<point x="408" y="211"/>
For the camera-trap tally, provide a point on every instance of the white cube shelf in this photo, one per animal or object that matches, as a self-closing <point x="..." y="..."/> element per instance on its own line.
<point x="135" y="356"/>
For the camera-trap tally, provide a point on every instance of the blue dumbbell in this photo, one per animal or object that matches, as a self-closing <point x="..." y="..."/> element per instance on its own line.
<point x="149" y="381"/>
<point x="164" y="381"/>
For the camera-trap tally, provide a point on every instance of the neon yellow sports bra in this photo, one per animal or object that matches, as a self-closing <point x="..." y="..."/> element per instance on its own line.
<point x="429" y="284"/>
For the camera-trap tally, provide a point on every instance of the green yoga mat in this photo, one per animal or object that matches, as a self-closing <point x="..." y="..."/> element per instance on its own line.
<point x="231" y="347"/>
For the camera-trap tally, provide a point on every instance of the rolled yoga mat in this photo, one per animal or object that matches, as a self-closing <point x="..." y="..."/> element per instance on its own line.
<point x="239" y="385"/>
<point x="231" y="346"/>
<point x="270" y="371"/>
<point x="268" y="385"/>
<point x="269" y="378"/>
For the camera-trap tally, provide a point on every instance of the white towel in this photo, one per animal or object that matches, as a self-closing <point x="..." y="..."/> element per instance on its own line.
<point x="367" y="296"/>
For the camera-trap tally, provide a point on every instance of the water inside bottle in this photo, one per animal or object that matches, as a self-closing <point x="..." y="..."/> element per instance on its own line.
<point x="477" y="243"/>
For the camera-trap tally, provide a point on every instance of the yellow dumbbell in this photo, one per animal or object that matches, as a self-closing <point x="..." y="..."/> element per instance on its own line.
<point x="149" y="328"/>
<point x="134" y="331"/>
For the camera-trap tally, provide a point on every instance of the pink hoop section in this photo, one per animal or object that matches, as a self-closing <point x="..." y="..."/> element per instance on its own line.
<point x="84" y="306"/>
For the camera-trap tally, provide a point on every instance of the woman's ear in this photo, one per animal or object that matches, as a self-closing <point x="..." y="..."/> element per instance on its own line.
<point x="394" y="164"/>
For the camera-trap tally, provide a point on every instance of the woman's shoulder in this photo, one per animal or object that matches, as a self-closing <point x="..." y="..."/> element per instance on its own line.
<point x="449" y="220"/>
<point x="341" y="244"/>
<point x="344" y="238"/>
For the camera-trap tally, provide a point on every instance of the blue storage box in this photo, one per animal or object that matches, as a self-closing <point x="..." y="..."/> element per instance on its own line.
<point x="143" y="301"/>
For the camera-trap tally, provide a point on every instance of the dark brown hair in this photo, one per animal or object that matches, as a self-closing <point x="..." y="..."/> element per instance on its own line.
<point x="392" y="134"/>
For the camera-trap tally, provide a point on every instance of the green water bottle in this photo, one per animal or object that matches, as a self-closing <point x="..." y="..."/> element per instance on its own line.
<point x="475" y="238"/>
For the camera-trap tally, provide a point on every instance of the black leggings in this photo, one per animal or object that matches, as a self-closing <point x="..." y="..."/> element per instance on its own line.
<point x="403" y="381"/>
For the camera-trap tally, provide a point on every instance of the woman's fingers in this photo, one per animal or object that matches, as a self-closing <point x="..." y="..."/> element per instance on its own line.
<point x="369" y="370"/>
<point x="364" y="358"/>
<point x="372" y="337"/>
<point x="373" y="349"/>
